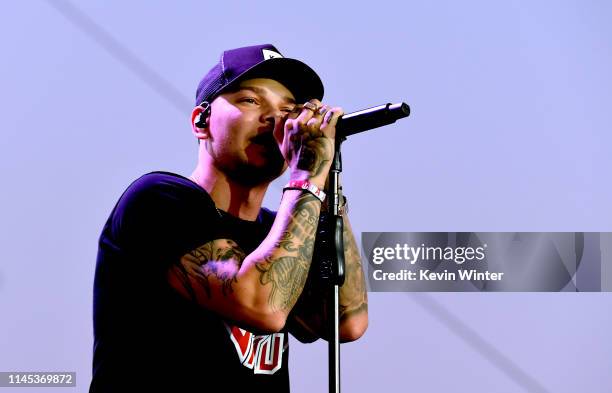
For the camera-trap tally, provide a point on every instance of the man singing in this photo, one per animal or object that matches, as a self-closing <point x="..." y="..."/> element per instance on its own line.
<point x="197" y="285"/>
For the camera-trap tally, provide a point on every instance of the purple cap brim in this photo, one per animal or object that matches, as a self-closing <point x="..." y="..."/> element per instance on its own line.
<point x="295" y="75"/>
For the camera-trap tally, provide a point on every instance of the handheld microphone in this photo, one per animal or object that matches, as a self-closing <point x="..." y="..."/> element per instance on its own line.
<point x="367" y="119"/>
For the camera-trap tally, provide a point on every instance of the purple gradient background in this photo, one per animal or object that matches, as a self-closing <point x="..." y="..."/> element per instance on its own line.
<point x="510" y="131"/>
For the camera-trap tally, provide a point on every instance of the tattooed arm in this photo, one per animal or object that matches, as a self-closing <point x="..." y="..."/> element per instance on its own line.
<point x="309" y="318"/>
<point x="260" y="289"/>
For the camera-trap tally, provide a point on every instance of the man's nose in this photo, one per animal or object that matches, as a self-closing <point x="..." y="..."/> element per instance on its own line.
<point x="274" y="116"/>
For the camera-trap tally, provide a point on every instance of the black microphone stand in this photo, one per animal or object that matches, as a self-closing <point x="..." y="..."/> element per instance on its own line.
<point x="336" y="229"/>
<point x="331" y="226"/>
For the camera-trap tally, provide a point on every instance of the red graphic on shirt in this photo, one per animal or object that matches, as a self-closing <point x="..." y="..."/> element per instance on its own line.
<point x="261" y="353"/>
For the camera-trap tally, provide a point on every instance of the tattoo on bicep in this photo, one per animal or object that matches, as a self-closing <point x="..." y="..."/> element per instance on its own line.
<point x="218" y="260"/>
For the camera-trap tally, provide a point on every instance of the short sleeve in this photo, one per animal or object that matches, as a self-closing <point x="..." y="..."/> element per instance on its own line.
<point x="161" y="217"/>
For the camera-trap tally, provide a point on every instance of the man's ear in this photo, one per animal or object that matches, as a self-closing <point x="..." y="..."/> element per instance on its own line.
<point x="200" y="119"/>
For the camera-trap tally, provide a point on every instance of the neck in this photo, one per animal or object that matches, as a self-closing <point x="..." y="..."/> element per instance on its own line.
<point x="237" y="199"/>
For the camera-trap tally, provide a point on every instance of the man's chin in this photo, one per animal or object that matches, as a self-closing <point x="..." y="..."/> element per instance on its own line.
<point x="253" y="175"/>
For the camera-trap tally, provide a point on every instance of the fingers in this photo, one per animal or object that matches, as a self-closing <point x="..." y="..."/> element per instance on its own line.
<point x="330" y="119"/>
<point x="298" y="126"/>
<point x="311" y="114"/>
<point x="315" y="118"/>
<point x="308" y="111"/>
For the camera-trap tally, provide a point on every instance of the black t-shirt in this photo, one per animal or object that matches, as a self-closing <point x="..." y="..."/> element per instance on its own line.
<point x="148" y="336"/>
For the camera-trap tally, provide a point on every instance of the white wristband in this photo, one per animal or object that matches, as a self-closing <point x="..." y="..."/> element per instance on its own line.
<point x="306" y="186"/>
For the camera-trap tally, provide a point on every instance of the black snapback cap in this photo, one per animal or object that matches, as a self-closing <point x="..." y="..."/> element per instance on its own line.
<point x="259" y="61"/>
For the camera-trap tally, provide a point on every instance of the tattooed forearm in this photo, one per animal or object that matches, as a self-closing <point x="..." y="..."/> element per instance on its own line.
<point x="285" y="268"/>
<point x="257" y="290"/>
<point x="312" y="307"/>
